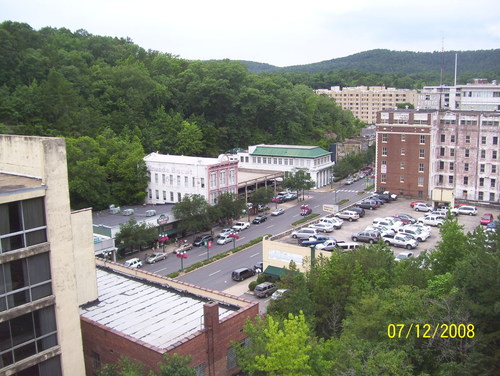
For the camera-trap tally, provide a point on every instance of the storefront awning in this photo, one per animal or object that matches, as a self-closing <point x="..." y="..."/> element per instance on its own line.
<point x="275" y="271"/>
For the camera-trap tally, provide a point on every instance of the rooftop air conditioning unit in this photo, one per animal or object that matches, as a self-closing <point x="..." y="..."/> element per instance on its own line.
<point x="128" y="212"/>
<point x="150" y="213"/>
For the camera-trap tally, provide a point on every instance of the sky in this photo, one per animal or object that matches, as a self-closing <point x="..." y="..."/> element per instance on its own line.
<point x="276" y="32"/>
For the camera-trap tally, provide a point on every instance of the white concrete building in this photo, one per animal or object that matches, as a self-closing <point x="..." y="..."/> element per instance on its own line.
<point x="289" y="158"/>
<point x="174" y="176"/>
<point x="480" y="95"/>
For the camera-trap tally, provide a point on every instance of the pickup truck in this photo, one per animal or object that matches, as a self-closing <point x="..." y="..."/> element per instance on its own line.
<point x="400" y="240"/>
<point x="240" y="226"/>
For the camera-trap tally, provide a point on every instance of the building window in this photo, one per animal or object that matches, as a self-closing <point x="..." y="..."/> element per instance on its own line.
<point x="422" y="140"/>
<point x="402" y="165"/>
<point x="22" y="224"/>
<point x="383" y="178"/>
<point x="156" y="178"/>
<point x="441" y="152"/>
<point x="483" y="153"/>
<point x="443" y="138"/>
<point x="164" y="195"/>
<point x="163" y="179"/>
<point x="384" y="137"/>
<point x="495" y="140"/>
<point x="494" y="154"/>
<point x="452" y="166"/>
<point x="223" y="178"/>
<point x="420" y="181"/>
<point x="466" y="167"/>
<point x="157" y="194"/>
<point x="464" y="194"/>
<point x="213" y="180"/>
<point x="420" y="167"/>
<point x="441" y="165"/>
<point x="179" y="197"/>
<point x="420" y="194"/>
<point x="450" y="179"/>
<point x="481" y="182"/>
<point x="96" y="362"/>
<point x="493" y="169"/>
<point x="402" y="151"/>
<point x="481" y="167"/>
<point x="483" y="140"/>
<point x="186" y="181"/>
<point x="200" y="370"/>
<point x="171" y="180"/>
<point x="440" y="179"/>
<point x="492" y="197"/>
<point x="401" y="178"/>
<point x="232" y="176"/>
<point x="452" y="138"/>
<point x="466" y="153"/>
<point x="493" y="183"/>
<point x="384" y="151"/>
<point x="178" y="180"/>
<point x="452" y="152"/>
<point x="421" y="153"/>
<point x="403" y="138"/>
<point x="466" y="180"/>
<point x="172" y="196"/>
<point x="467" y="139"/>
<point x="480" y="196"/>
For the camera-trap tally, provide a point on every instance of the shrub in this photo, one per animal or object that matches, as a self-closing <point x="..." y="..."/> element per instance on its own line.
<point x="251" y="285"/>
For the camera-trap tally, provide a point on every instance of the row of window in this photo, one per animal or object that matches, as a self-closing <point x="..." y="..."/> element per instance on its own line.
<point x="482" y="167"/>
<point x="469" y="122"/>
<point x="421" y="152"/>
<point x="466" y="180"/>
<point x="420" y="179"/>
<point x="172" y="195"/>
<point x="225" y="178"/>
<point x="467" y="153"/>
<point x="300" y="162"/>
<point x="494" y="139"/>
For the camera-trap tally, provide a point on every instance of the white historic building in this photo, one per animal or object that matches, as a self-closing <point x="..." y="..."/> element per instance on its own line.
<point x="289" y="158"/>
<point x="174" y="176"/>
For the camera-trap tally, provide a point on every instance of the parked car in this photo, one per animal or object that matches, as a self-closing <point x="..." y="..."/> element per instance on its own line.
<point x="305" y="210"/>
<point x="184" y="247"/>
<point x="264" y="289"/>
<point x="359" y="210"/>
<point x="388" y="222"/>
<point x="278" y="199"/>
<point x="400" y="240"/>
<point x="431" y="220"/>
<point x="465" y="210"/>
<point x="289" y="196"/>
<point x="322" y="227"/>
<point x="384" y="230"/>
<point x="304" y="233"/>
<point x="225" y="239"/>
<point x="240" y="226"/>
<point x="259" y="267"/>
<point x="416" y="233"/>
<point x="156" y="257"/>
<point x="403" y="256"/>
<point x="348" y="214"/>
<point x="421" y="226"/>
<point x="422" y="207"/>
<point x="349" y="181"/>
<point x="225" y="232"/>
<point x="440" y="213"/>
<point x="383" y="197"/>
<point x="486" y="218"/>
<point x="334" y="221"/>
<point x="393" y="196"/>
<point x="259" y="219"/>
<point x="278" y="211"/>
<point x="413" y="203"/>
<point x="378" y="200"/>
<point x="368" y="204"/>
<point x="242" y="274"/>
<point x="366" y="236"/>
<point x="493" y="225"/>
<point x="327" y="245"/>
<point x="200" y="240"/>
<point x="406" y="217"/>
<point x="279" y="294"/>
<point x="133" y="263"/>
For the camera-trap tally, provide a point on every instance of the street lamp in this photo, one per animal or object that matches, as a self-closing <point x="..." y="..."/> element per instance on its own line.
<point x="208" y="244"/>
<point x="182" y="255"/>
<point x="234" y="236"/>
<point x="313" y="255"/>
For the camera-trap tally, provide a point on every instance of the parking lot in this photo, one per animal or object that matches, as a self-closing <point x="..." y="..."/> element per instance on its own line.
<point x="400" y="206"/>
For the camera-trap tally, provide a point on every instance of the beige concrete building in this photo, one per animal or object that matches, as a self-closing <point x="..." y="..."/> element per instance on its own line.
<point x="365" y="101"/>
<point x="41" y="244"/>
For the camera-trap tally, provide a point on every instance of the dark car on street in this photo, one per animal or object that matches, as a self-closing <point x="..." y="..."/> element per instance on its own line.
<point x="259" y="219"/>
<point x="200" y="240"/>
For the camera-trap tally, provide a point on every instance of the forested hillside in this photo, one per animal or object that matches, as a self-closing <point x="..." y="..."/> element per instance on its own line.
<point x="54" y="82"/>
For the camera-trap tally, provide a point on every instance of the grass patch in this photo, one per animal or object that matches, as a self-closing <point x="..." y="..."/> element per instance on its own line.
<point x="305" y="219"/>
<point x="342" y="202"/>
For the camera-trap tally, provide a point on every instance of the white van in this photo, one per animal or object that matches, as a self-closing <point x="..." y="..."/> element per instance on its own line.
<point x="304" y="233"/>
<point x="333" y="221"/>
<point x="133" y="263"/>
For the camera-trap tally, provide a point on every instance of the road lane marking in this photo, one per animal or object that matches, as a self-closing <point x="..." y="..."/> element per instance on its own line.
<point x="270" y="226"/>
<point x="159" y="270"/>
<point x="211" y="274"/>
<point x="255" y="254"/>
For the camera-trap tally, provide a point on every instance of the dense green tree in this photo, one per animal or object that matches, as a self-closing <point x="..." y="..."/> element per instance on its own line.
<point x="192" y="212"/>
<point x="262" y="196"/>
<point x="298" y="181"/>
<point x="189" y="140"/>
<point x="229" y="206"/>
<point x="134" y="236"/>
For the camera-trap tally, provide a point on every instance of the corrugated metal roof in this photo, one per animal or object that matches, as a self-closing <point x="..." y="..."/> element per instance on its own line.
<point x="147" y="312"/>
<point x="290" y="151"/>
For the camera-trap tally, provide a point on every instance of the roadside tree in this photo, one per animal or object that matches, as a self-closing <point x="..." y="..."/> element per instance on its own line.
<point x="192" y="212"/>
<point x="134" y="236"/>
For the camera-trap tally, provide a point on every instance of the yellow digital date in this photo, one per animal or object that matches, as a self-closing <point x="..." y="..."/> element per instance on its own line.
<point x="431" y="330"/>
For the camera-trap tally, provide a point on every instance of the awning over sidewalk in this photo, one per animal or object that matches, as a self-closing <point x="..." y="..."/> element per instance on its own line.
<point x="275" y="271"/>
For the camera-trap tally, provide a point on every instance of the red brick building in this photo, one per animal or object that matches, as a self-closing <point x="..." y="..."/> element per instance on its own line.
<point x="404" y="152"/>
<point x="143" y="316"/>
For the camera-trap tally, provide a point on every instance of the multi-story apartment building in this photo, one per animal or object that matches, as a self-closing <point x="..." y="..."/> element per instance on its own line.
<point x="41" y="242"/>
<point x="174" y="176"/>
<point x="421" y="152"/>
<point x="365" y="101"/>
<point x="480" y="95"/>
<point x="288" y="158"/>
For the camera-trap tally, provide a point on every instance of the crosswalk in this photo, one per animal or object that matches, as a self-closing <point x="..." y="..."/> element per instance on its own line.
<point x="347" y="190"/>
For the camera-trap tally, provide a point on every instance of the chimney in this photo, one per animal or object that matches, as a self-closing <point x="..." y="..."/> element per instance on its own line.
<point x="211" y="321"/>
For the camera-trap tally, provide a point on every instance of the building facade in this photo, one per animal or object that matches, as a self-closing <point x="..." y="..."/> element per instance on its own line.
<point x="289" y="158"/>
<point x="480" y="95"/>
<point x="42" y="241"/>
<point x="365" y="101"/>
<point x="421" y="152"/>
<point x="175" y="176"/>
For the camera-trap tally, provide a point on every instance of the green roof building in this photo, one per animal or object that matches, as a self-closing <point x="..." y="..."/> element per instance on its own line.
<point x="289" y="158"/>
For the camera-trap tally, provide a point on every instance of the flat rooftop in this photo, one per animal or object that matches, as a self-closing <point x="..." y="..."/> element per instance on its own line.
<point x="104" y="217"/>
<point x="148" y="312"/>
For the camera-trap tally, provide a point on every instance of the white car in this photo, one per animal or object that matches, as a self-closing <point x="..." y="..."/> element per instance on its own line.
<point x="431" y="220"/>
<point x="224" y="239"/>
<point x="416" y="233"/>
<point x="334" y="221"/>
<point x="322" y="227"/>
<point x="465" y="210"/>
<point x="403" y="256"/>
<point x="133" y="263"/>
<point x="225" y="232"/>
<point x="388" y="222"/>
<point x="278" y="211"/>
<point x="420" y="226"/>
<point x="348" y="214"/>
<point x="349" y="181"/>
<point x="382" y="229"/>
<point x="422" y="207"/>
<point x="240" y="226"/>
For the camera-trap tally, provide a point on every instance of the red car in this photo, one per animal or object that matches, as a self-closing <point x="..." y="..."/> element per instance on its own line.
<point x="486" y="218"/>
<point x="412" y="204"/>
